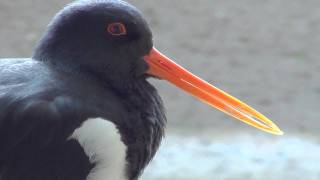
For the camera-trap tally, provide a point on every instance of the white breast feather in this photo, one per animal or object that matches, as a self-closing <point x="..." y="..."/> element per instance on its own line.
<point x="102" y="143"/>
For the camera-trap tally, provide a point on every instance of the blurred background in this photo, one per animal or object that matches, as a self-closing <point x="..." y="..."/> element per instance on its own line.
<point x="265" y="52"/>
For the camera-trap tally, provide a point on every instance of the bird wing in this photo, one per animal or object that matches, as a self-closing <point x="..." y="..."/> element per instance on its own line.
<point x="32" y="114"/>
<point x="34" y="138"/>
<point x="33" y="123"/>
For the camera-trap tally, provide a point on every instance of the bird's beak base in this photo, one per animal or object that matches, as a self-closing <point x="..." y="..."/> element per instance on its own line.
<point x="164" y="68"/>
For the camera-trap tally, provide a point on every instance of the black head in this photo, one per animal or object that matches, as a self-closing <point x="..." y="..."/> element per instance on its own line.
<point x="107" y="38"/>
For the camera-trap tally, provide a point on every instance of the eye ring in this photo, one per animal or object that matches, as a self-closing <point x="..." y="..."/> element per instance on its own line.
<point x="117" y="29"/>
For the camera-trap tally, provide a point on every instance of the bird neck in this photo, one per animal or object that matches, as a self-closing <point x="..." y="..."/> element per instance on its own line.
<point x="143" y="130"/>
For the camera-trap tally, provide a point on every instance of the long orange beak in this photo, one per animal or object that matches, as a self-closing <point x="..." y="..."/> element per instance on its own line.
<point x="164" y="68"/>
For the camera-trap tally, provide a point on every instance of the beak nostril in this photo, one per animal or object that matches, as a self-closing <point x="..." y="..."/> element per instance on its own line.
<point x="165" y="65"/>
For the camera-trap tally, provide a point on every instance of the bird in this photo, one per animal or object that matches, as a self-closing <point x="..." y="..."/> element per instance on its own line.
<point x="82" y="108"/>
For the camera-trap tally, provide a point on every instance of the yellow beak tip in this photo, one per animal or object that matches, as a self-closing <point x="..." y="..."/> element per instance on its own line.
<point x="276" y="131"/>
<point x="280" y="133"/>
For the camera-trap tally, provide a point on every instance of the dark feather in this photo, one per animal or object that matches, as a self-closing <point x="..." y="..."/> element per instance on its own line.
<point x="41" y="107"/>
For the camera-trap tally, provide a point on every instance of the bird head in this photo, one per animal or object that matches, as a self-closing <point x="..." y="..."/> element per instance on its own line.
<point x="111" y="40"/>
<point x="107" y="38"/>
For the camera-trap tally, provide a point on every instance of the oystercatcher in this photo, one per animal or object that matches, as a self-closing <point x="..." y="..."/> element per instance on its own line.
<point x="82" y="109"/>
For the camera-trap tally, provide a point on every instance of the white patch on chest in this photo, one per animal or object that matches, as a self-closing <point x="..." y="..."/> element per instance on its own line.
<point x="102" y="143"/>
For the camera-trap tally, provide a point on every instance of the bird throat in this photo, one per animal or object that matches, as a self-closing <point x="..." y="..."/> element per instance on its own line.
<point x="143" y="130"/>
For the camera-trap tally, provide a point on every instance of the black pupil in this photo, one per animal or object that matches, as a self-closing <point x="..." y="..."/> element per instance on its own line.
<point x="116" y="29"/>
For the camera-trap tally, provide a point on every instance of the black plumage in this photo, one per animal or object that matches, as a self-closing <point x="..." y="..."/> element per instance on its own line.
<point x="78" y="71"/>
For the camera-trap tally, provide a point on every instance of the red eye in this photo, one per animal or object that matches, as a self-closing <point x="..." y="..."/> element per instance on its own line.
<point x="117" y="29"/>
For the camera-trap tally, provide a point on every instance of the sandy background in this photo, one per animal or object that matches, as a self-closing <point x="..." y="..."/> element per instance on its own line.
<point x="265" y="52"/>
